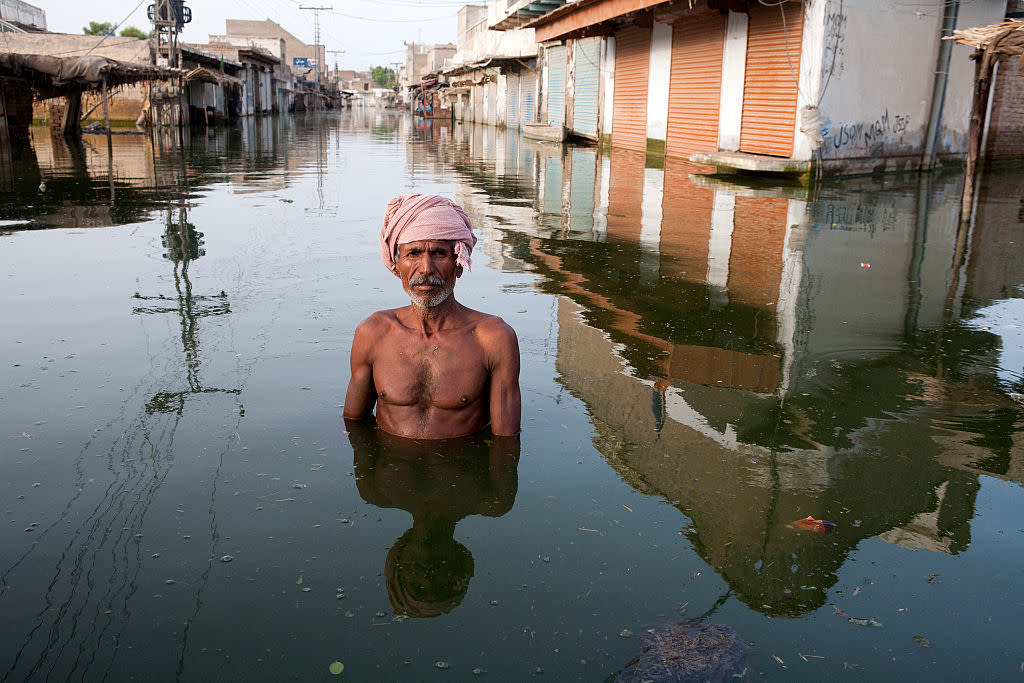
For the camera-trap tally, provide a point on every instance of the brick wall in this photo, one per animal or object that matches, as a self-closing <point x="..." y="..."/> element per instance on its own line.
<point x="1006" y="125"/>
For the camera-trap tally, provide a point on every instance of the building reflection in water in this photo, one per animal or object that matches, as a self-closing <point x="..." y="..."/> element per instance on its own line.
<point x="757" y="355"/>
<point x="439" y="483"/>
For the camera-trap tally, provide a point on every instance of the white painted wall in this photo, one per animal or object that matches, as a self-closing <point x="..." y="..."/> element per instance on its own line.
<point x="608" y="86"/>
<point x="658" y="77"/>
<point x="877" y="71"/>
<point x="807" y="134"/>
<point x="501" y="100"/>
<point x="734" y="69"/>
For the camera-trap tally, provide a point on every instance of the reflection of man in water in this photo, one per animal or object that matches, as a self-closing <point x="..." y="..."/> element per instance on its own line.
<point x="438" y="482"/>
<point x="434" y="369"/>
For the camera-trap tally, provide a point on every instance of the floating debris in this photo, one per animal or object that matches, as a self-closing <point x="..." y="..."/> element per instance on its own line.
<point x="441" y="664"/>
<point x="822" y="526"/>
<point x="625" y="633"/>
<point x="865" y="622"/>
<point x="339" y="596"/>
<point x="226" y="558"/>
<point x="921" y="641"/>
<point x="336" y="668"/>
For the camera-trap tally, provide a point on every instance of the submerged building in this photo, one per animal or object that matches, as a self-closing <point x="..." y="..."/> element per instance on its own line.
<point x="777" y="87"/>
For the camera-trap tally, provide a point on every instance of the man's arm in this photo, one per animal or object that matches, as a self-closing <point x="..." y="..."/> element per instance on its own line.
<point x="361" y="396"/>
<point x="504" y="400"/>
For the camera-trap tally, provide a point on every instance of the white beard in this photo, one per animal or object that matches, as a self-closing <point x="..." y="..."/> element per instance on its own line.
<point x="436" y="299"/>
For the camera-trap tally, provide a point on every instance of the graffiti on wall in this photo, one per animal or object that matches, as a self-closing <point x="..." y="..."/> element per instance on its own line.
<point x="868" y="134"/>
<point x="835" y="37"/>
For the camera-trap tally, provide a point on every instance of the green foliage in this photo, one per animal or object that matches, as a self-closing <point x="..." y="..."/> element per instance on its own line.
<point x="99" y="28"/>
<point x="132" y="32"/>
<point x="383" y="76"/>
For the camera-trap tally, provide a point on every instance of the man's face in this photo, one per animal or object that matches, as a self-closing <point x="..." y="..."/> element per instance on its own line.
<point x="428" y="270"/>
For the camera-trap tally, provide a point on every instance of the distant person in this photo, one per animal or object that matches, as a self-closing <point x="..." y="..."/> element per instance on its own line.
<point x="434" y="369"/>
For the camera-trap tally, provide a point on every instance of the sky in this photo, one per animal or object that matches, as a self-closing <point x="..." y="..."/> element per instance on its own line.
<point x="371" y="32"/>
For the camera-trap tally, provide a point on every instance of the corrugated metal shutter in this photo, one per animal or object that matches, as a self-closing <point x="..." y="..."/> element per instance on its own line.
<point x="555" y="94"/>
<point x="774" y="37"/>
<point x="512" y="101"/>
<point x="632" y="62"/>
<point x="588" y="79"/>
<point x="758" y="238"/>
<point x="528" y="96"/>
<point x="685" y="222"/>
<point x="582" y="189"/>
<point x="695" y="88"/>
<point x="625" y="195"/>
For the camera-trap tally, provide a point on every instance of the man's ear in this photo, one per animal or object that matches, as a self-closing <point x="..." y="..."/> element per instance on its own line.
<point x="394" y="270"/>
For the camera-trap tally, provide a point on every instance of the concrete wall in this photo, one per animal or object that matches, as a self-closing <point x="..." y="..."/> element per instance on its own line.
<point x="268" y="29"/>
<point x="877" y="73"/>
<point x="658" y="76"/>
<point x="18" y="12"/>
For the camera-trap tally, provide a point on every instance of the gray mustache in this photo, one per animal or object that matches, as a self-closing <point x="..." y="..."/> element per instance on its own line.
<point x="427" y="280"/>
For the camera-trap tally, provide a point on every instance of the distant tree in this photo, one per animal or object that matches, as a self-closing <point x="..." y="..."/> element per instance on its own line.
<point x="383" y="76"/>
<point x="132" y="32"/>
<point x="99" y="28"/>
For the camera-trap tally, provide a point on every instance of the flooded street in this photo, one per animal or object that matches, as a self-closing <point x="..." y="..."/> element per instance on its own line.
<point x="703" y="364"/>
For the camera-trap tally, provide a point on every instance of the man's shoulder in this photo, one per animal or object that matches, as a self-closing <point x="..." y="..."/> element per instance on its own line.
<point x="493" y="328"/>
<point x="379" y="321"/>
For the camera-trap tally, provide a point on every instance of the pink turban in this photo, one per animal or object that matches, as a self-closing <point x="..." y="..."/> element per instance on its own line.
<point x="418" y="217"/>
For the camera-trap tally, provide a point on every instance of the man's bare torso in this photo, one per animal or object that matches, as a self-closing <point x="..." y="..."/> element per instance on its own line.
<point x="435" y="384"/>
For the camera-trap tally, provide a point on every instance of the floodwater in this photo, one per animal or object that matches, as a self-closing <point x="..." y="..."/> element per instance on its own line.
<point x="704" y="363"/>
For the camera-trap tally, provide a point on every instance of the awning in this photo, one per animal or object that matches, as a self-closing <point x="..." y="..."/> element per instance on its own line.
<point x="55" y="76"/>
<point x="207" y="76"/>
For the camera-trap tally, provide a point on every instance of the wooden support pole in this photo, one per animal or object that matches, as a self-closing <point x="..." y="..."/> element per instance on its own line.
<point x="979" y="108"/>
<point x="106" y="112"/>
<point x="72" y="127"/>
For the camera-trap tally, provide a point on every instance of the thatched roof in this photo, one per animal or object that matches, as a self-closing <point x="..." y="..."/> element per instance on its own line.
<point x="1004" y="39"/>
<point x="57" y="75"/>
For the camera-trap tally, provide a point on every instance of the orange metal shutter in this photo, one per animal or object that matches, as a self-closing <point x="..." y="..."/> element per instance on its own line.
<point x="696" y="85"/>
<point x="774" y="37"/>
<point x="758" y="239"/>
<point x="625" y="194"/>
<point x="685" y="222"/>
<point x="632" y="61"/>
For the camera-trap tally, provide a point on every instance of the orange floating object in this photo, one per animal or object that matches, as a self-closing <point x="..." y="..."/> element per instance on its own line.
<point x="819" y="525"/>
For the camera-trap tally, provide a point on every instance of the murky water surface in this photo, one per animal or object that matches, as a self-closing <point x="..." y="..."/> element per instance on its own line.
<point x="704" y="364"/>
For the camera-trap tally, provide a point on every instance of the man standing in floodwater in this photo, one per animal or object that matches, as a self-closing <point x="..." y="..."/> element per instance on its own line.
<point x="434" y="369"/>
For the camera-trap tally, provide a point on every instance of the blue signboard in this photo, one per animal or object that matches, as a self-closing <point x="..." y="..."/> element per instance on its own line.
<point x="304" y="62"/>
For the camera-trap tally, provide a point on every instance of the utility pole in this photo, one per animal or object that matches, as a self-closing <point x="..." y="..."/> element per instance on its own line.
<point x="335" y="53"/>
<point x="168" y="17"/>
<point x="316" y="35"/>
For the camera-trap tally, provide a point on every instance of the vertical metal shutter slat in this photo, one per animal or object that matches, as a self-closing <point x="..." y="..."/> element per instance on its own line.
<point x="632" y="62"/>
<point x="556" y="85"/>
<point x="588" y="78"/>
<point x="528" y="96"/>
<point x="770" y="85"/>
<point x="696" y="85"/>
<point x="512" y="102"/>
